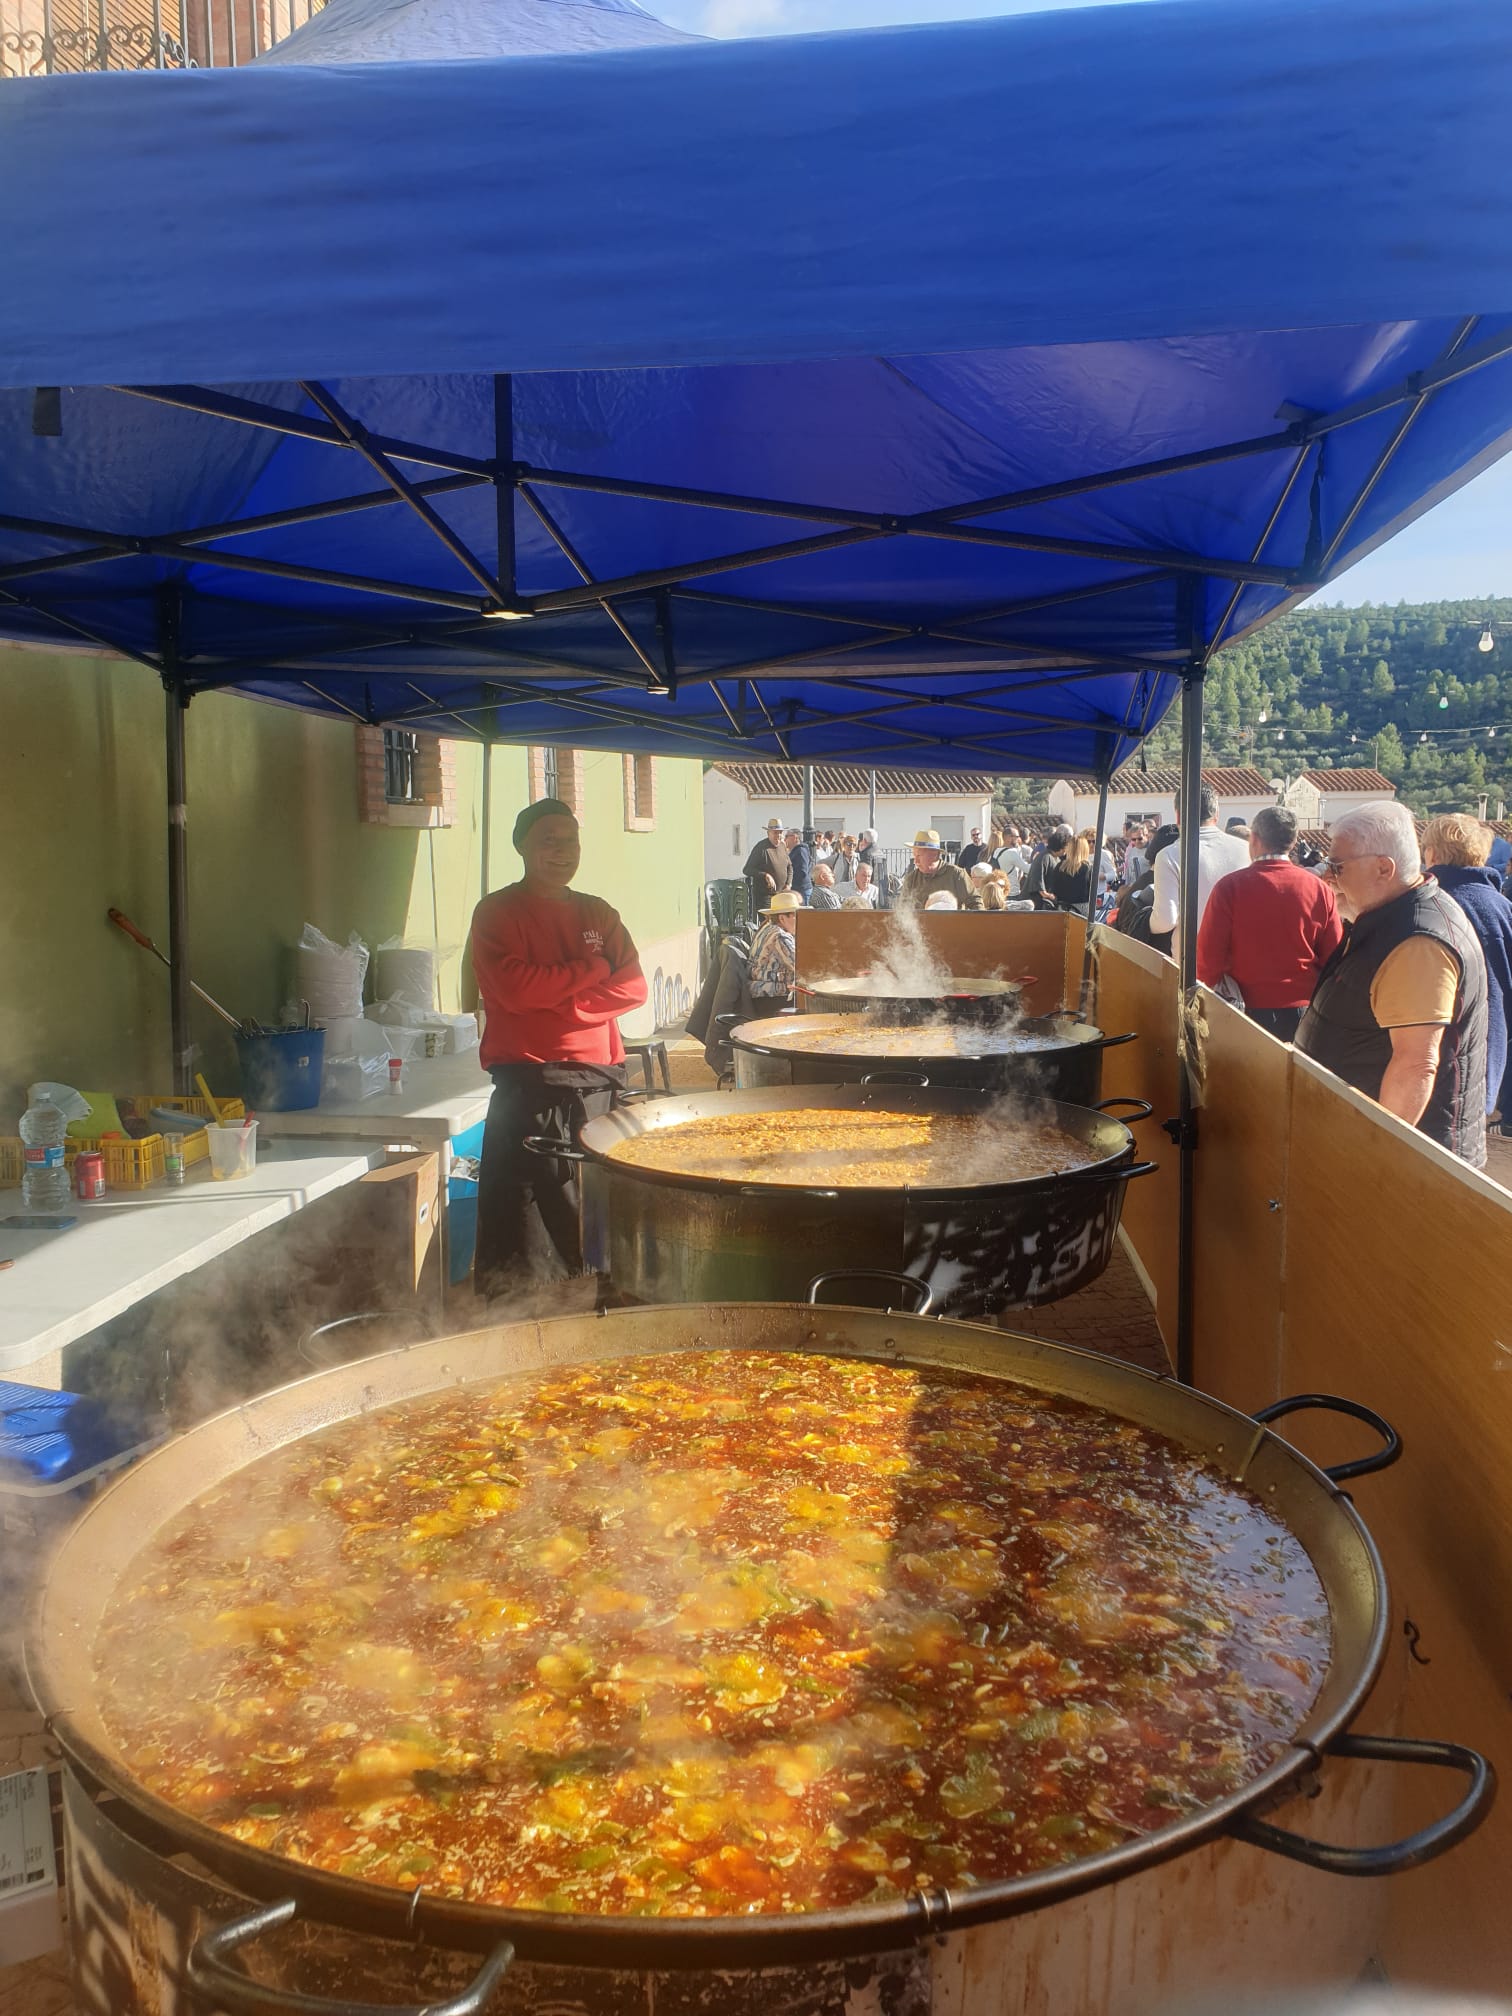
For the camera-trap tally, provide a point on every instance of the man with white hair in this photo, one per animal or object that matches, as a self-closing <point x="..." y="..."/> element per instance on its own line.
<point x="868" y="851"/>
<point x="1400" y="1008"/>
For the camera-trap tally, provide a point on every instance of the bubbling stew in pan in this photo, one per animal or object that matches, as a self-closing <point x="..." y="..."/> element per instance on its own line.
<point x="858" y="1147"/>
<point x="712" y="1633"/>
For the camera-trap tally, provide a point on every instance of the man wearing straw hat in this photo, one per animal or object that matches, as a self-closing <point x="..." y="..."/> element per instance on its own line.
<point x="932" y="875"/>
<point x="554" y="970"/>
<point x="774" y="955"/>
<point x="767" y="865"/>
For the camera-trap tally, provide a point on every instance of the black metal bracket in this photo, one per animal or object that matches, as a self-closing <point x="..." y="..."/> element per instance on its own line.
<point x="1182" y="1131"/>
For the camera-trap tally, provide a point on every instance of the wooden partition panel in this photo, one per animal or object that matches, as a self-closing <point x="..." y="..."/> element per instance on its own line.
<point x="1336" y="1250"/>
<point x="1399" y="1269"/>
<point x="1135" y="988"/>
<point x="835" y="943"/>
<point x="1241" y="1206"/>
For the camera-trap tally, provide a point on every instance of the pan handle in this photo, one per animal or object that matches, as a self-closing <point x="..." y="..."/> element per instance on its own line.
<point x="788" y="1190"/>
<point x="1112" y="1042"/>
<point x="1108" y="1172"/>
<point x="1123" y="1099"/>
<point x="227" y="1988"/>
<point x="911" y="1281"/>
<point x="1362" y="1466"/>
<point x="920" y="1078"/>
<point x="552" y="1149"/>
<point x="1414" y="1849"/>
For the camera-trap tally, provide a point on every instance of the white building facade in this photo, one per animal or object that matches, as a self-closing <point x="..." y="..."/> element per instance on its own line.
<point x="1319" y="797"/>
<point x="1135" y="793"/>
<point x="739" y="799"/>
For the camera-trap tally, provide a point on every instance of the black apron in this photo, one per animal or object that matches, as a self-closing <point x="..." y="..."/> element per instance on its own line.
<point x="528" y="1223"/>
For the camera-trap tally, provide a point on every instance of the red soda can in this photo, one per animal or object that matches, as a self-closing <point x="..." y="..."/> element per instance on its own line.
<point x="89" y="1175"/>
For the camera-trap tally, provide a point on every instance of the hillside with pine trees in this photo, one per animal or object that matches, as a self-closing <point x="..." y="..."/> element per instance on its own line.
<point x="1406" y="690"/>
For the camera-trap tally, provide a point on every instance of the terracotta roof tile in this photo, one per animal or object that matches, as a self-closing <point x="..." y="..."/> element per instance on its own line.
<point x="1350" y="780"/>
<point x="1166" y="777"/>
<point x="845" y="780"/>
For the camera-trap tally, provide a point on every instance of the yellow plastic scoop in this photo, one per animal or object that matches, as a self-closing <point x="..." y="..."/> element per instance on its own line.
<point x="209" y="1098"/>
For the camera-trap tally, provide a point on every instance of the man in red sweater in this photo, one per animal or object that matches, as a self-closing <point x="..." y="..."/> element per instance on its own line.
<point x="1269" y="928"/>
<point x="554" y="970"/>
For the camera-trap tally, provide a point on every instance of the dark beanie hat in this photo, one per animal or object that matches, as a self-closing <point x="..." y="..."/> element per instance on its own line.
<point x="543" y="808"/>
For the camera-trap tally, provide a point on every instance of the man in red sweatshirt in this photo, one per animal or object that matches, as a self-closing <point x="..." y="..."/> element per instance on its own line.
<point x="1270" y="929"/>
<point x="554" y="970"/>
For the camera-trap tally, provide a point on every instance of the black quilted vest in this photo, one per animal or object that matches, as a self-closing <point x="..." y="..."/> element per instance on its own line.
<point x="1340" y="1032"/>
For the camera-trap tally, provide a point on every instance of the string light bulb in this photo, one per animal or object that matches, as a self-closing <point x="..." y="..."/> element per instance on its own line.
<point x="1485" y="642"/>
<point x="1444" y="702"/>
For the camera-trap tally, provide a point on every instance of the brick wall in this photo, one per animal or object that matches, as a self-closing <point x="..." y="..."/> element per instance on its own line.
<point x="569" y="786"/>
<point x="640" y="793"/>
<point x="435" y="779"/>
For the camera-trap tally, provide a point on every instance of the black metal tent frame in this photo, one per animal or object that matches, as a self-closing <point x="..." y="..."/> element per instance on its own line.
<point x="1027" y="667"/>
<point x="481" y="712"/>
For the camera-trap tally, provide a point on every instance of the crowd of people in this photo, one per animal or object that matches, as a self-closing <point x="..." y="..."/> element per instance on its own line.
<point x="1389" y="961"/>
<point x="1011" y="870"/>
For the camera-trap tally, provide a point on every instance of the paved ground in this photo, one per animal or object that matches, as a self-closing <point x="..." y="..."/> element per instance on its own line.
<point x="1499" y="1158"/>
<point x="1113" y="1315"/>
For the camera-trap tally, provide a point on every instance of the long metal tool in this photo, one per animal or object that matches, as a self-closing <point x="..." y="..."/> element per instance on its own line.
<point x="123" y="923"/>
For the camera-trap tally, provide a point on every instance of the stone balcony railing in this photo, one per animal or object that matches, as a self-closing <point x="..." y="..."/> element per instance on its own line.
<point x="41" y="38"/>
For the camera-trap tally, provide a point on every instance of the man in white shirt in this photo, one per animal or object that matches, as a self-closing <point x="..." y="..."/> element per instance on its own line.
<point x="1010" y="857"/>
<point x="1218" y="854"/>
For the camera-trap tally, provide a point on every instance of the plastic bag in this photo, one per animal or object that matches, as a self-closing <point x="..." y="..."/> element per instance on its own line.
<point x="329" y="976"/>
<point x="404" y="970"/>
<point x="356" y="1060"/>
<point x="443" y="1035"/>
<point x="74" y="1106"/>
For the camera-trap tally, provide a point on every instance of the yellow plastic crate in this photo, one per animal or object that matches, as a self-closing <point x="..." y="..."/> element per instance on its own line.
<point x="132" y="1165"/>
<point x="139" y="1104"/>
<point x="129" y="1165"/>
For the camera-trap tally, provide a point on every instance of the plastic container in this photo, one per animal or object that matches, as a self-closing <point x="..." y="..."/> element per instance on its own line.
<point x="281" y="1071"/>
<point x="44" y="1126"/>
<point x="89" y="1175"/>
<point x="233" y="1151"/>
<point x="396" y="1077"/>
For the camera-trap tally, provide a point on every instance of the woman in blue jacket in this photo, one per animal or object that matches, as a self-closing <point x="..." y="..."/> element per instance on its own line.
<point x="1456" y="849"/>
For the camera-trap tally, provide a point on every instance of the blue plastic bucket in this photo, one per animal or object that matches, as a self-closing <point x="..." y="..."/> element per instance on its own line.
<point x="281" y="1072"/>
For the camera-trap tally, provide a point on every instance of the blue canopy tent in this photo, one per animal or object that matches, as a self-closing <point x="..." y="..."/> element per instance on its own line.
<point x="939" y="396"/>
<point x="930" y="396"/>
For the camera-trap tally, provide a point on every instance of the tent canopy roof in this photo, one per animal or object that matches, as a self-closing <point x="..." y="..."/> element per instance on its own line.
<point x="928" y="397"/>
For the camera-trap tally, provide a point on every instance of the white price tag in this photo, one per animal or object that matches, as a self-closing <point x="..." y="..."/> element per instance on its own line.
<point x="26" y="1838"/>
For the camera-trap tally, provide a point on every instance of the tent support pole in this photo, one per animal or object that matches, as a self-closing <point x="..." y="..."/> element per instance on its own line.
<point x="504" y="486"/>
<point x="808" y="805"/>
<point x="1186" y="925"/>
<point x="1097" y="852"/>
<point x="176" y="705"/>
<point x="485" y="818"/>
<point x="871" y="802"/>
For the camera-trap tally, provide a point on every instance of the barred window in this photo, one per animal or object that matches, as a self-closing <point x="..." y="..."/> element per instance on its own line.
<point x="557" y="773"/>
<point x="640" y="793"/>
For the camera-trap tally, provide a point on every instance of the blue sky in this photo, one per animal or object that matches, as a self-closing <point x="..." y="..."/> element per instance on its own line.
<point x="1464" y="548"/>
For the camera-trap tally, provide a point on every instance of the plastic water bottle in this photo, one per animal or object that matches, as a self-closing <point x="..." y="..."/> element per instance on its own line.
<point x="44" y="1186"/>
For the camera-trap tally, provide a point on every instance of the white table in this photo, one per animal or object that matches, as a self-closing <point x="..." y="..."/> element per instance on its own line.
<point x="133" y="1242"/>
<point x="442" y="1098"/>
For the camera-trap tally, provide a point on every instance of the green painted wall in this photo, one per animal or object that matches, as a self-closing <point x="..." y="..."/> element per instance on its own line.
<point x="274" y="840"/>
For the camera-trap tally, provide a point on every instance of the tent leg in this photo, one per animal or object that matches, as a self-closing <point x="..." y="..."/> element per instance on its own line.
<point x="871" y="800"/>
<point x="485" y="820"/>
<point x="808" y="805"/>
<point x="1191" y="819"/>
<point x="177" y="705"/>
<point x="1097" y="852"/>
